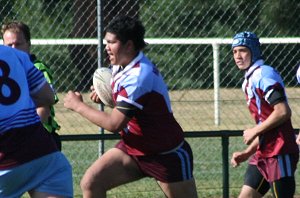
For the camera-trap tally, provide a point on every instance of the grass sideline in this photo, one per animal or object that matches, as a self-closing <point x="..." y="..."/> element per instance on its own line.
<point x="194" y="110"/>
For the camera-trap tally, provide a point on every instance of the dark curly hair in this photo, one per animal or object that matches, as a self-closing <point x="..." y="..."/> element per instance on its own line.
<point x="127" y="28"/>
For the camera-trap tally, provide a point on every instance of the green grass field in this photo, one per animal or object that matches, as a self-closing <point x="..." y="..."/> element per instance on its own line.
<point x="207" y="169"/>
<point x="194" y="110"/>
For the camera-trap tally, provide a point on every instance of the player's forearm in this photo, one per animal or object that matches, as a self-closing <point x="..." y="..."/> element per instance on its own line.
<point x="99" y="118"/>
<point x="93" y="115"/>
<point x="251" y="149"/>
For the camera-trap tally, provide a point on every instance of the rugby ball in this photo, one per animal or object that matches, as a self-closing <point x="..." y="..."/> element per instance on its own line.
<point x="101" y="83"/>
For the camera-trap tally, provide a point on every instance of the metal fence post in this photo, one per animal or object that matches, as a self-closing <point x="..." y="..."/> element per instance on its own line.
<point x="225" y="144"/>
<point x="100" y="59"/>
<point x="216" y="55"/>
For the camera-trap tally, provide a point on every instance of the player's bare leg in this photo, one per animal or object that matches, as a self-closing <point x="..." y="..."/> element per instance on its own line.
<point x="112" y="169"/>
<point x="181" y="189"/>
<point x="248" y="192"/>
<point x="34" y="194"/>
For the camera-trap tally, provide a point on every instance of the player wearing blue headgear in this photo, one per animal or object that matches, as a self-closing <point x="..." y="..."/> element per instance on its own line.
<point x="272" y="149"/>
<point x="249" y="40"/>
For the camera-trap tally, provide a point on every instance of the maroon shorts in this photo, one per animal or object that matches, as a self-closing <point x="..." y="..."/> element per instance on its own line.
<point x="173" y="166"/>
<point x="277" y="167"/>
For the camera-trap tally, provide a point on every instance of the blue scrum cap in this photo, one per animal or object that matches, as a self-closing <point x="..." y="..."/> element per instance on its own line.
<point x="250" y="40"/>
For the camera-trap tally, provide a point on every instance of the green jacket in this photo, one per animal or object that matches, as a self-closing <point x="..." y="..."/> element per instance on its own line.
<point x="51" y="125"/>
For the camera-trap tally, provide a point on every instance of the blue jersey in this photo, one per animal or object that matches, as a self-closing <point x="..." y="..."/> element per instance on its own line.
<point x="19" y="79"/>
<point x="22" y="135"/>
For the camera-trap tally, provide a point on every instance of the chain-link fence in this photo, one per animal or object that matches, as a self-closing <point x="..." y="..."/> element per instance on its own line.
<point x="188" y="67"/>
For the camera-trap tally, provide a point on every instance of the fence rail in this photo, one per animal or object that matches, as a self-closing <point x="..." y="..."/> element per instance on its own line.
<point x="163" y="41"/>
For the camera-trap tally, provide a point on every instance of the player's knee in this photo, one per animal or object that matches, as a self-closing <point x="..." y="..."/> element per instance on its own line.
<point x="248" y="191"/>
<point x="89" y="184"/>
<point x="85" y="184"/>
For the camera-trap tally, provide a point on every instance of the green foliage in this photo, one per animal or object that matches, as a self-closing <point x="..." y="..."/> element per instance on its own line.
<point x="5" y="10"/>
<point x="183" y="66"/>
<point x="47" y="21"/>
<point x="281" y="14"/>
<point x="42" y="17"/>
<point x="57" y="58"/>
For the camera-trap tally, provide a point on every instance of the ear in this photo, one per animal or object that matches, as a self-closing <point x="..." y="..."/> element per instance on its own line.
<point x="130" y="45"/>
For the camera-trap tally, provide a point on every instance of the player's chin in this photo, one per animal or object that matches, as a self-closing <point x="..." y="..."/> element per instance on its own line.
<point x="243" y="67"/>
<point x="112" y="61"/>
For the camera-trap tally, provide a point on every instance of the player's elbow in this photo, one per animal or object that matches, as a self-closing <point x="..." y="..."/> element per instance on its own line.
<point x="117" y="121"/>
<point x="114" y="128"/>
<point x="285" y="113"/>
<point x="282" y="111"/>
<point x="288" y="114"/>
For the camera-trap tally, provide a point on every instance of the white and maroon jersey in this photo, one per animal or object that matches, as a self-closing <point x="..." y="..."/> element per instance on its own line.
<point x="260" y="82"/>
<point x="22" y="136"/>
<point x="140" y="92"/>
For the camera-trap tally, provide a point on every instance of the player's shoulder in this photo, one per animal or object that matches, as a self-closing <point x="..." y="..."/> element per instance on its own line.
<point x="267" y="68"/>
<point x="10" y="54"/>
<point x="263" y="71"/>
<point x="269" y="71"/>
<point x="6" y="49"/>
<point x="266" y="75"/>
<point x="146" y="62"/>
<point x="147" y="66"/>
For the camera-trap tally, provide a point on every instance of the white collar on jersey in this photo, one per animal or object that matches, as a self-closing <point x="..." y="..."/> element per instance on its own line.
<point x="116" y="69"/>
<point x="135" y="60"/>
<point x="250" y="70"/>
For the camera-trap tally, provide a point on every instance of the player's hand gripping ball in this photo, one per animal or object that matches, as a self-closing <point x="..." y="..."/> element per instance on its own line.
<point x="101" y="83"/>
